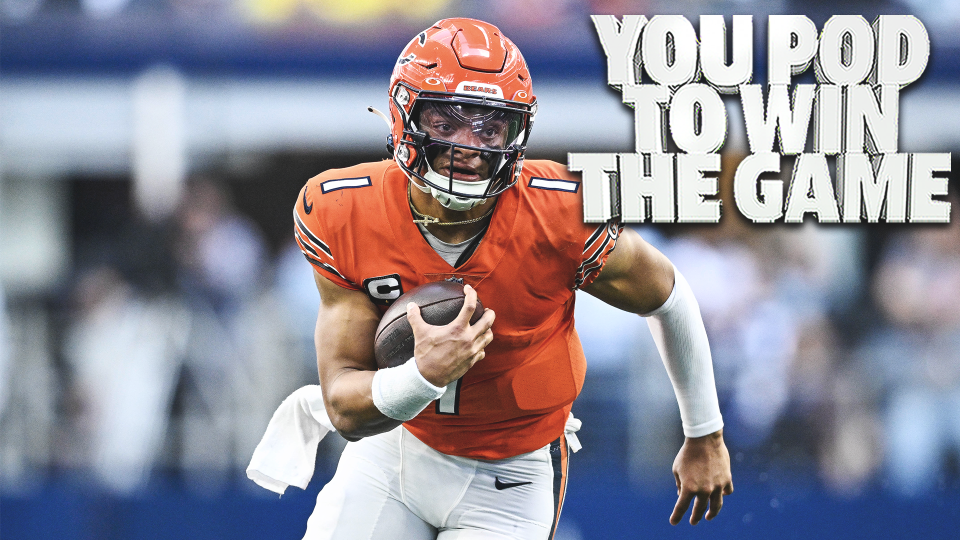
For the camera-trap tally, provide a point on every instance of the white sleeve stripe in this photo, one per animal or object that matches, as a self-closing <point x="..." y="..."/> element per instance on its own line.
<point x="324" y="265"/>
<point x="585" y="271"/>
<point x="596" y="234"/>
<point x="587" y="263"/>
<point x="304" y="231"/>
<point x="594" y="264"/>
<point x="308" y="244"/>
<point x="599" y="250"/>
<point x="304" y="244"/>
<point x="317" y="243"/>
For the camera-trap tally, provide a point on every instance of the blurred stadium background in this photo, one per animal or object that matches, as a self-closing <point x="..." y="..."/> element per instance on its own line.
<point x="155" y="309"/>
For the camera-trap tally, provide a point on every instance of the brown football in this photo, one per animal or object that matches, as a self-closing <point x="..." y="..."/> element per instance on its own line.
<point x="440" y="302"/>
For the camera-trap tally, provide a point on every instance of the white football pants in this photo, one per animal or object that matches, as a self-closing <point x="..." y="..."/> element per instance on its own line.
<point x="392" y="486"/>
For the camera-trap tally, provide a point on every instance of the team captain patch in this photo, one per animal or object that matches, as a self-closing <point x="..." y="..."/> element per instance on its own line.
<point x="344" y="183"/>
<point x="554" y="185"/>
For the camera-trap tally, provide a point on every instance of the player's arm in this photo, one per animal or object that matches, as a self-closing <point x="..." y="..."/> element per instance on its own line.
<point x="639" y="279"/>
<point x="363" y="401"/>
<point x="346" y="324"/>
<point x="636" y="277"/>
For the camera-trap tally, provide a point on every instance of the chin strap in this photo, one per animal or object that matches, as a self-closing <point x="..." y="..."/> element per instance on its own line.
<point x="423" y="219"/>
<point x="454" y="202"/>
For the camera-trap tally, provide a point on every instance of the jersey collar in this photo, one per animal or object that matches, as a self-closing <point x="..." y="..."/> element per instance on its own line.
<point x="418" y="252"/>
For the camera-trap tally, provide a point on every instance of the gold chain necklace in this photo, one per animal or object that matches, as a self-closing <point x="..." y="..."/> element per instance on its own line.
<point x="423" y="219"/>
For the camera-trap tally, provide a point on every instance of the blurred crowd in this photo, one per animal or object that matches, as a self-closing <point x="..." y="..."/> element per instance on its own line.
<point x="836" y="349"/>
<point x="175" y="342"/>
<point x="836" y="352"/>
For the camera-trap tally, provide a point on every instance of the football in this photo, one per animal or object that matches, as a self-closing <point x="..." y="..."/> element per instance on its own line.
<point x="440" y="302"/>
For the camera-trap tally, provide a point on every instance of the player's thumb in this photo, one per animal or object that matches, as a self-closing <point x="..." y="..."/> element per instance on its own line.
<point x="469" y="305"/>
<point x="413" y="316"/>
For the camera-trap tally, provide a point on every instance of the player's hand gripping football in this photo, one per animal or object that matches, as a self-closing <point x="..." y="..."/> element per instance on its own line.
<point x="445" y="353"/>
<point x="702" y="471"/>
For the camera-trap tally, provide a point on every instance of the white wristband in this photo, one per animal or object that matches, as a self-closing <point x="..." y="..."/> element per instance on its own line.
<point x="678" y="331"/>
<point x="401" y="392"/>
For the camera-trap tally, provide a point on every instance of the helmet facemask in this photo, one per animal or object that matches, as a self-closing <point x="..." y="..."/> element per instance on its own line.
<point x="467" y="149"/>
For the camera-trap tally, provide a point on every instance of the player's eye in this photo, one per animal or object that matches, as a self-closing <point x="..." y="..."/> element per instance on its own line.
<point x="492" y="133"/>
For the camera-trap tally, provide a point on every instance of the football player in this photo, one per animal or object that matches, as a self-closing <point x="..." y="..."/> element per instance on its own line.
<point x="469" y="438"/>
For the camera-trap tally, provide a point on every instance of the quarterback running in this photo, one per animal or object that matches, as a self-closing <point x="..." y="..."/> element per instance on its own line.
<point x="470" y="437"/>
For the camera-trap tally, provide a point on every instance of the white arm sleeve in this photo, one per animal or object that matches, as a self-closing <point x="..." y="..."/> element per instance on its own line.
<point x="678" y="331"/>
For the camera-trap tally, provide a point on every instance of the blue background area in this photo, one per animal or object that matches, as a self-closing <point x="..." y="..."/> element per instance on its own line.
<point x="601" y="504"/>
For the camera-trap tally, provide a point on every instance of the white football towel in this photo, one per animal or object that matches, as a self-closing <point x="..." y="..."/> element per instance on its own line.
<point x="288" y="450"/>
<point x="570" y="430"/>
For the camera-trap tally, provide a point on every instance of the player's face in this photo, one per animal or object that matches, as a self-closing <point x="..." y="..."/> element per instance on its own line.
<point x="476" y="127"/>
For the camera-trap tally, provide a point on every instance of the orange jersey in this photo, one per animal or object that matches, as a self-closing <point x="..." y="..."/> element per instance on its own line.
<point x="356" y="227"/>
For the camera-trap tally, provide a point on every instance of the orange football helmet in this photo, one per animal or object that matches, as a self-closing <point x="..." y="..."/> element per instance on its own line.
<point x="476" y="86"/>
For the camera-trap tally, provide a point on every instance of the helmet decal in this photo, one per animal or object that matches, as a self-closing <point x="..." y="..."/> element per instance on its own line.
<point x="479" y="89"/>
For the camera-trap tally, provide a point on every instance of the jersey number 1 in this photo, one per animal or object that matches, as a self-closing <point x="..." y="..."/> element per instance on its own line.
<point x="449" y="402"/>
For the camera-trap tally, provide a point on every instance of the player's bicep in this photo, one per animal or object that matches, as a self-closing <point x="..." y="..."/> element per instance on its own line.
<point x="636" y="277"/>
<point x="346" y="324"/>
